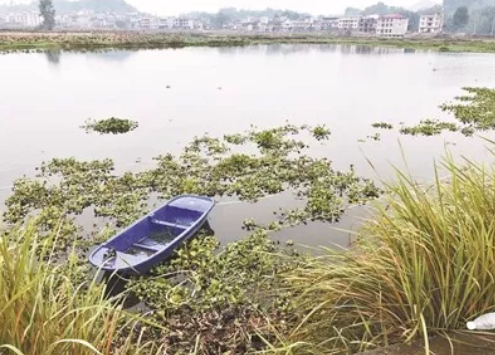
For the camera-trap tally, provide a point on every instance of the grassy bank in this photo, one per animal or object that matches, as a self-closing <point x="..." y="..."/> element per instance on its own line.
<point x="421" y="268"/>
<point x="46" y="308"/>
<point x="113" y="40"/>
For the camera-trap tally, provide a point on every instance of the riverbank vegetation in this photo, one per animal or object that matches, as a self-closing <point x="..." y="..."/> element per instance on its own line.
<point x="12" y="41"/>
<point x="46" y="308"/>
<point x="422" y="267"/>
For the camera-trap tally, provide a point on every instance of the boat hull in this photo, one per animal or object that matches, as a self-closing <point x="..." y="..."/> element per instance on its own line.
<point x="153" y="238"/>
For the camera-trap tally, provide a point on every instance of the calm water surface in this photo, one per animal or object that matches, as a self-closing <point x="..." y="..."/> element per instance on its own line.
<point x="45" y="97"/>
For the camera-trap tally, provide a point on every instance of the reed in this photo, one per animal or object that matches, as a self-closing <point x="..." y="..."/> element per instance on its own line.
<point x="423" y="265"/>
<point x="42" y="311"/>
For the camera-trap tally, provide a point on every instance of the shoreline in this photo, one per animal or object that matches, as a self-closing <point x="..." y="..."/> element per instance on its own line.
<point x="18" y="41"/>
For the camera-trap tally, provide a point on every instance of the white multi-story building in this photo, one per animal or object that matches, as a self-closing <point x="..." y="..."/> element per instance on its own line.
<point x="431" y="23"/>
<point x="349" y="23"/>
<point x="184" y="23"/>
<point x="392" y="26"/>
<point x="167" y="23"/>
<point x="23" y="19"/>
<point x="368" y="24"/>
<point x="328" y="24"/>
<point x="31" y="19"/>
<point x="301" y="25"/>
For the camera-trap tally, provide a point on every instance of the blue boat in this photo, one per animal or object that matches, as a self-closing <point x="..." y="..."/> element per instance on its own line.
<point x="153" y="238"/>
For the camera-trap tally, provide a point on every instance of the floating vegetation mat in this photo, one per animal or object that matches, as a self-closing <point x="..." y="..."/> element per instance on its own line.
<point x="227" y="301"/>
<point x="474" y="112"/>
<point x="110" y="126"/>
<point x="429" y="128"/>
<point x="382" y="125"/>
<point x="207" y="166"/>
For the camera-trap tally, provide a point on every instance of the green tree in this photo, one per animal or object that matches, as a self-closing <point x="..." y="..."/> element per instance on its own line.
<point x="352" y="11"/>
<point x="47" y="12"/>
<point x="377" y="9"/>
<point x="461" y="17"/>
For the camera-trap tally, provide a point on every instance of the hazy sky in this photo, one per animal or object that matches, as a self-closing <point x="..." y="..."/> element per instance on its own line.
<point x="173" y="7"/>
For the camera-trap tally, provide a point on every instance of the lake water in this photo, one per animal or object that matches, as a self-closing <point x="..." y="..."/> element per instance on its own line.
<point x="45" y="97"/>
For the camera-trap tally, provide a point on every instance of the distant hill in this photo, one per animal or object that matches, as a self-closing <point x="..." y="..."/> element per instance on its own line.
<point x="65" y="6"/>
<point x="452" y="5"/>
<point x="117" y="6"/>
<point x="423" y="5"/>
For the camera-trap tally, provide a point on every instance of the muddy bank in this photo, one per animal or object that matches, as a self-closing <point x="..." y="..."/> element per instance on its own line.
<point x="459" y="345"/>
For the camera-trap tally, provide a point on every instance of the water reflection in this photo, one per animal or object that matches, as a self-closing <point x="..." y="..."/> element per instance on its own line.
<point x="53" y="56"/>
<point x="108" y="55"/>
<point x="289" y="49"/>
<point x="117" y="55"/>
<point x="112" y="55"/>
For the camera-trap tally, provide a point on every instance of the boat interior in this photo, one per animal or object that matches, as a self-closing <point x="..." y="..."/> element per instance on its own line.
<point x="147" y="237"/>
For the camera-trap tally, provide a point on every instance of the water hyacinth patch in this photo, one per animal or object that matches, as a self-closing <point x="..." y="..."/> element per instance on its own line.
<point x="236" y="291"/>
<point x="382" y="125"/>
<point x="208" y="166"/>
<point x="429" y="128"/>
<point x="110" y="126"/>
<point x="475" y="109"/>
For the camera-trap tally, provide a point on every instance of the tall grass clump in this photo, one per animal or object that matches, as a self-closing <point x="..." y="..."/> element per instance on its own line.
<point x="42" y="310"/>
<point x="423" y="265"/>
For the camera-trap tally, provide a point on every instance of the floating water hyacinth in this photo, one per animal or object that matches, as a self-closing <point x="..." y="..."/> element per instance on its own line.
<point x="429" y="128"/>
<point x="207" y="166"/>
<point x="110" y="126"/>
<point x="382" y="125"/>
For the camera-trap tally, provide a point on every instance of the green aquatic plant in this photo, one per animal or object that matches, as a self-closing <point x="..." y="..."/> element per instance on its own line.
<point x="321" y="133"/>
<point x="376" y="137"/>
<point x="110" y="126"/>
<point x="237" y="290"/>
<point x="476" y="109"/>
<point x="67" y="188"/>
<point x="429" y="128"/>
<point x="382" y="125"/>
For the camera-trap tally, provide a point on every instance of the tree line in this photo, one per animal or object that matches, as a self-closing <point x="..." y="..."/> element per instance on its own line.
<point x="469" y="16"/>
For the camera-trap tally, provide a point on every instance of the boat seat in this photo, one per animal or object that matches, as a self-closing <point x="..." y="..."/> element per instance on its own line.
<point x="152" y="248"/>
<point x="168" y="224"/>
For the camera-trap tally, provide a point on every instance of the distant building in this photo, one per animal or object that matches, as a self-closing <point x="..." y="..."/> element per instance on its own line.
<point x="183" y="23"/>
<point x="327" y="24"/>
<point x="302" y="25"/>
<point x="167" y="23"/>
<point x="349" y="23"/>
<point x="22" y="19"/>
<point x="368" y="24"/>
<point x="392" y="26"/>
<point x="431" y="23"/>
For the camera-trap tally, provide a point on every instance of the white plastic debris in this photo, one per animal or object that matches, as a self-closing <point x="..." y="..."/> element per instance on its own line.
<point x="485" y="322"/>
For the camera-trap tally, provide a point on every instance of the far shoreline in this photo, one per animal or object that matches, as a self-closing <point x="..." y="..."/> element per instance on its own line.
<point x="11" y="40"/>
